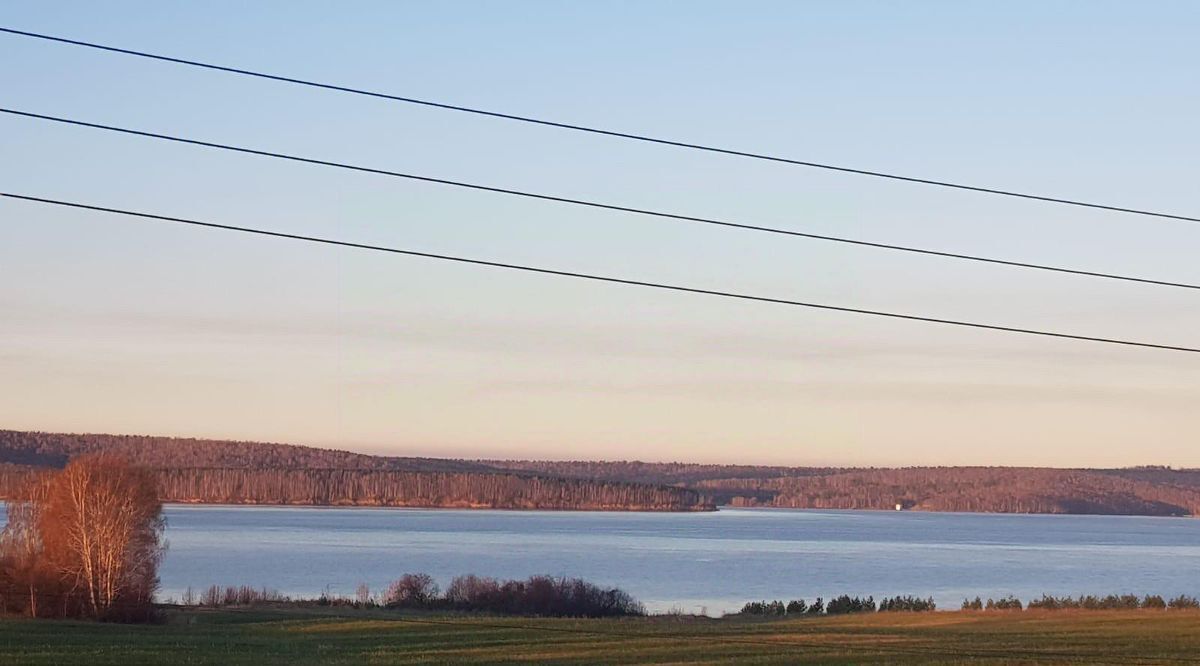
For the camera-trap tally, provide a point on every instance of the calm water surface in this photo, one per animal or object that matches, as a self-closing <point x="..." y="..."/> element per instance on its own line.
<point x="710" y="561"/>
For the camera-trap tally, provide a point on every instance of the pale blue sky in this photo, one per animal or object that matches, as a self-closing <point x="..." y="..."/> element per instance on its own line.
<point x="117" y="325"/>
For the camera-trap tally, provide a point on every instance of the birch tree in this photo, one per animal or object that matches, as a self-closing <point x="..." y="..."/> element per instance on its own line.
<point x="101" y="531"/>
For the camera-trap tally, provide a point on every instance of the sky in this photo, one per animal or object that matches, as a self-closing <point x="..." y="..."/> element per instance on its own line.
<point x="116" y="325"/>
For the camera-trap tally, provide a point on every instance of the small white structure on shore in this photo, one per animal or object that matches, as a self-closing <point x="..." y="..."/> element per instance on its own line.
<point x="899" y="506"/>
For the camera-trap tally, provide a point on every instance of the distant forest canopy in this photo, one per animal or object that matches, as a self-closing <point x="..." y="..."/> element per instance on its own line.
<point x="977" y="489"/>
<point x="212" y="471"/>
<point x="1150" y="490"/>
<point x="217" y="471"/>
<point x="46" y="449"/>
<point x="673" y="473"/>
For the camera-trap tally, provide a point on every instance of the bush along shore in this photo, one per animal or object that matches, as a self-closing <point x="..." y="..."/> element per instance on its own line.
<point x="846" y="604"/>
<point x="1088" y="602"/>
<point x="549" y="596"/>
<point x="543" y="596"/>
<point x="842" y="605"/>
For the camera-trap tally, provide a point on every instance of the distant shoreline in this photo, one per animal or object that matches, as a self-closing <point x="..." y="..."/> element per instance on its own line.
<point x="199" y="471"/>
<point x="266" y="505"/>
<point x="717" y="509"/>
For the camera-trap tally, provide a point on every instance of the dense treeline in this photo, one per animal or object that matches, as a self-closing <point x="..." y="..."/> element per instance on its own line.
<point x="846" y="604"/>
<point x="1115" y="602"/>
<point x="1156" y="491"/>
<point x="188" y="470"/>
<point x="673" y="473"/>
<point x="1187" y="478"/>
<point x="350" y="487"/>
<point x="45" y="449"/>
<point x="841" y="605"/>
<point x="415" y="489"/>
<point x="983" y="489"/>
<point x="1085" y="602"/>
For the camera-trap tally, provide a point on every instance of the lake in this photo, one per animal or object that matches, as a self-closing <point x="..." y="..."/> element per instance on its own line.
<point x="693" y="561"/>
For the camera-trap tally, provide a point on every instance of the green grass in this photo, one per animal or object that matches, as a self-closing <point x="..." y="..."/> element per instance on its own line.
<point x="265" y="637"/>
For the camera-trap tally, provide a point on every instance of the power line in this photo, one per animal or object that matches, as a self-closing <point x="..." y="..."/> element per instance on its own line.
<point x="606" y="206"/>
<point x="596" y="130"/>
<point x="599" y="278"/>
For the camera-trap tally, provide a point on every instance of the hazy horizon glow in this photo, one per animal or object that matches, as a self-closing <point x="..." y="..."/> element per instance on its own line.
<point x="127" y="327"/>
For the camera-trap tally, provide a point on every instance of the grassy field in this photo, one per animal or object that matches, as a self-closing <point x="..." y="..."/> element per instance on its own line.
<point x="263" y="637"/>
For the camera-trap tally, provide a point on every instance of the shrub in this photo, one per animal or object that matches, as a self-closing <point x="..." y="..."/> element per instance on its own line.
<point x="242" y="595"/>
<point x="472" y="590"/>
<point x="1126" y="601"/>
<point x="362" y="594"/>
<point x="908" y="604"/>
<point x="1047" y="602"/>
<point x="764" y="608"/>
<point x="1091" y="602"/>
<point x="847" y="604"/>
<point x="411" y="590"/>
<point x="972" y="605"/>
<point x="1006" y="603"/>
<point x="754" y="608"/>
<point x="1183" y="601"/>
<point x="1153" y="601"/>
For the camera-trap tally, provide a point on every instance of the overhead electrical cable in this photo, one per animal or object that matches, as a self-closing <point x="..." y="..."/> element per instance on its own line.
<point x="600" y="131"/>
<point x="607" y="206"/>
<point x="595" y="277"/>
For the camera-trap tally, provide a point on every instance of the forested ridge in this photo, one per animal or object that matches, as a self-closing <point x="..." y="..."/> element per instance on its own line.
<point x="49" y="449"/>
<point x="674" y="473"/>
<point x="469" y="490"/>
<point x="1149" y="490"/>
<point x="197" y="470"/>
<point x="227" y="472"/>
<point x="979" y="489"/>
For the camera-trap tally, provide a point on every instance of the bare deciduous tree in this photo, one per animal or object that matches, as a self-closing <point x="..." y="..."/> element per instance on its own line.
<point x="411" y="590"/>
<point x="24" y="576"/>
<point x="95" y="532"/>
